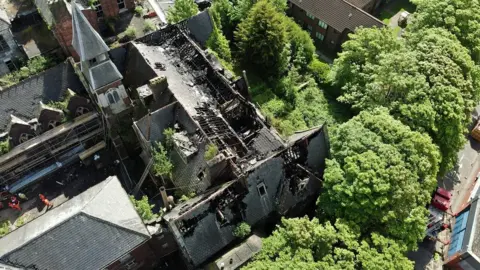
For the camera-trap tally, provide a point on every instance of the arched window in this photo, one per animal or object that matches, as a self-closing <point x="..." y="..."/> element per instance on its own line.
<point x="116" y="96"/>
<point x="110" y="98"/>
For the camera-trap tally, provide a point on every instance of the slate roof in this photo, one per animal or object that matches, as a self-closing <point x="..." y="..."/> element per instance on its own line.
<point x="90" y="231"/>
<point x="86" y="41"/>
<point x="103" y="74"/>
<point x="338" y="14"/>
<point x="22" y="99"/>
<point x="200" y="27"/>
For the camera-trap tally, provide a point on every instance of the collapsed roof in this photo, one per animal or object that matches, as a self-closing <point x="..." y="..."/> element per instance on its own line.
<point x="23" y="98"/>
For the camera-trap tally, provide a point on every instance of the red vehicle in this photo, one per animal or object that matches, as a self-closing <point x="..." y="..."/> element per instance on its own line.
<point x="440" y="202"/>
<point x="444" y="193"/>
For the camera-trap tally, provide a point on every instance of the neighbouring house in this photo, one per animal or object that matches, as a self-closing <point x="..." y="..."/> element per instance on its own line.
<point x="58" y="16"/>
<point x="464" y="248"/>
<point x="10" y="51"/>
<point x="97" y="229"/>
<point x="330" y="21"/>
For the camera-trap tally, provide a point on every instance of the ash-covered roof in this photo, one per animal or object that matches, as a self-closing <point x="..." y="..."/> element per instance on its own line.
<point x="338" y="14"/>
<point x="86" y="41"/>
<point x="22" y="99"/>
<point x="90" y="231"/>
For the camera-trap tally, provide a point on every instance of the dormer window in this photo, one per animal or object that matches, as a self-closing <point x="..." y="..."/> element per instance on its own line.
<point x="116" y="96"/>
<point x="110" y="98"/>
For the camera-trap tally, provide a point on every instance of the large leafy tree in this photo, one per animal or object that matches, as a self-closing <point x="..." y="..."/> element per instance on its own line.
<point x="461" y="17"/>
<point x="261" y="40"/>
<point x="181" y="10"/>
<point x="301" y="243"/>
<point x="381" y="176"/>
<point x="219" y="43"/>
<point x="429" y="82"/>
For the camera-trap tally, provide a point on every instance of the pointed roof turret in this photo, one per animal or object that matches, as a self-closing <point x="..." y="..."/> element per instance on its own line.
<point x="86" y="41"/>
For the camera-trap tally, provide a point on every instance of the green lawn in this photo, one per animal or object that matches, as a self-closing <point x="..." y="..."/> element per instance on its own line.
<point x="393" y="7"/>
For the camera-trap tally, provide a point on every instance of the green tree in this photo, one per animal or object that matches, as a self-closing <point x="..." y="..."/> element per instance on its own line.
<point x="262" y="42"/>
<point x="300" y="243"/>
<point x="240" y="10"/>
<point x="144" y="208"/>
<point x="319" y="70"/>
<point x="381" y="176"/>
<point x="221" y="13"/>
<point x="181" y="10"/>
<point x="242" y="230"/>
<point x="301" y="44"/>
<point x="460" y="17"/>
<point x="429" y="83"/>
<point x="219" y="44"/>
<point x="211" y="151"/>
<point x="162" y="165"/>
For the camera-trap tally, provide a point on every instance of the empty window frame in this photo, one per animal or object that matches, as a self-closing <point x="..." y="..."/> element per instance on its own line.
<point x="319" y="36"/>
<point x="310" y="15"/>
<point x="3" y="45"/>
<point x="10" y="65"/>
<point x="262" y="190"/>
<point x="322" y="24"/>
<point x="110" y="98"/>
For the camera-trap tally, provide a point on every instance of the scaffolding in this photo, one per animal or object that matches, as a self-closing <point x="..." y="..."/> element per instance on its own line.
<point x="36" y="157"/>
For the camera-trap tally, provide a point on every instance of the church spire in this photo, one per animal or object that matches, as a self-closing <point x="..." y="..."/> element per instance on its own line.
<point x="86" y="41"/>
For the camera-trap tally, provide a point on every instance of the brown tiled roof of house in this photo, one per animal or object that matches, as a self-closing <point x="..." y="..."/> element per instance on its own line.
<point x="338" y="14"/>
<point x="359" y="3"/>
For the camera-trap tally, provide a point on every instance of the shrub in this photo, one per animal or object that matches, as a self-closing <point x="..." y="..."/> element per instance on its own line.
<point x="138" y="11"/>
<point x="211" y="152"/>
<point x="33" y="66"/>
<point x="4" y="147"/>
<point x="131" y="33"/>
<point x="319" y="70"/>
<point x="162" y="165"/>
<point x="168" y="133"/>
<point x="144" y="208"/>
<point x="4" y="227"/>
<point x="148" y="26"/>
<point x="242" y="230"/>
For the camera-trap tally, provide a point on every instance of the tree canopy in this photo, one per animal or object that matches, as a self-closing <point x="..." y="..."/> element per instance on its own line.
<point x="300" y="243"/>
<point x="381" y="176"/>
<point x="261" y="41"/>
<point x="460" y="17"/>
<point x="181" y="10"/>
<point x="427" y="81"/>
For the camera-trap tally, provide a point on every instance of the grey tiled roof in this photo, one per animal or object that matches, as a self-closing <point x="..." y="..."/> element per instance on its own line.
<point x="86" y="41"/>
<point x="338" y="14"/>
<point x="103" y="74"/>
<point x="23" y="99"/>
<point x="90" y="231"/>
<point x="200" y="27"/>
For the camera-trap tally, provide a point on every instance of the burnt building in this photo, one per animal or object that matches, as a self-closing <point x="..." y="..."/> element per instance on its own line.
<point x="253" y="174"/>
<point x="330" y="21"/>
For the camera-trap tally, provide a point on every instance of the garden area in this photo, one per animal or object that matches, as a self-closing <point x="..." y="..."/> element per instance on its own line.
<point x="392" y="7"/>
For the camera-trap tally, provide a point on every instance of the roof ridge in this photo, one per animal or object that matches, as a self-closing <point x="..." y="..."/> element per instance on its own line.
<point x="3" y="90"/>
<point x="363" y="11"/>
<point x="104" y="183"/>
<point x="114" y="224"/>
